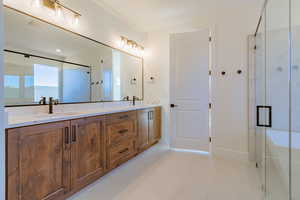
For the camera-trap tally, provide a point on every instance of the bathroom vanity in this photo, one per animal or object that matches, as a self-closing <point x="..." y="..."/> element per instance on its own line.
<point x="94" y="129"/>
<point x="53" y="160"/>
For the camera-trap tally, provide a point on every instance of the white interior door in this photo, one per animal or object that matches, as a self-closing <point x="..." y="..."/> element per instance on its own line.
<point x="190" y="56"/>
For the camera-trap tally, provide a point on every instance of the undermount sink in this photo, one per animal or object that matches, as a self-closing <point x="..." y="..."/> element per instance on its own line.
<point x="46" y="115"/>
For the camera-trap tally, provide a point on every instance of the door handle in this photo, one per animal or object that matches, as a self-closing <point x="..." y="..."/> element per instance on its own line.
<point x="74" y="134"/>
<point x="67" y="138"/>
<point x="123" y="131"/>
<point x="258" y="108"/>
<point x="124" y="150"/>
<point x="173" y="105"/>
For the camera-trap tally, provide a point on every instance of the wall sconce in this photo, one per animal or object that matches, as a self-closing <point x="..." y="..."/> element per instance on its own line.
<point x="131" y="46"/>
<point x="59" y="9"/>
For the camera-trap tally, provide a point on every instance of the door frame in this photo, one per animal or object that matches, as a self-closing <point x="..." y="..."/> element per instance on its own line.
<point x="212" y="63"/>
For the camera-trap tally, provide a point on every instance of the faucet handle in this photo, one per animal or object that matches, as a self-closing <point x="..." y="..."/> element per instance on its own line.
<point x="56" y="102"/>
<point x="126" y="98"/>
<point x="42" y="100"/>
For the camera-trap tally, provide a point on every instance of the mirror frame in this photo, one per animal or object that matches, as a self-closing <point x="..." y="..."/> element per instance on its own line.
<point x="85" y="37"/>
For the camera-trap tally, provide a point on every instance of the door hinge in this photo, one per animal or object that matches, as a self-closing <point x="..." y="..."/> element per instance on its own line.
<point x="255" y="47"/>
<point x="209" y="72"/>
<point x="210" y="105"/>
<point x="210" y="139"/>
<point x="210" y="39"/>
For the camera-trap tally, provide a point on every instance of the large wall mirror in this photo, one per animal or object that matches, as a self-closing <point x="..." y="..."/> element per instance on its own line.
<point x="42" y="60"/>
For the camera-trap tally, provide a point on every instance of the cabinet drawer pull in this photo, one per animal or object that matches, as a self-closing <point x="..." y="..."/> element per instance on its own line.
<point x="74" y="134"/>
<point x="124" y="117"/>
<point x="123" y="151"/>
<point x="123" y="131"/>
<point x="67" y="139"/>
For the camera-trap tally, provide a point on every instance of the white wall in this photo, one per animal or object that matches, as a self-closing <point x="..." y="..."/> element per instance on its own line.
<point x="231" y="24"/>
<point x="157" y="66"/>
<point x="2" y="135"/>
<point x="234" y="22"/>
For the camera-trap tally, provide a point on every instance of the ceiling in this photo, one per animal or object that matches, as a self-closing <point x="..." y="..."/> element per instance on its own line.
<point x="153" y="15"/>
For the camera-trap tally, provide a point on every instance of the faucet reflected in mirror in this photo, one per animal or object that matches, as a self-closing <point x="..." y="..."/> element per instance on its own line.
<point x="43" y="101"/>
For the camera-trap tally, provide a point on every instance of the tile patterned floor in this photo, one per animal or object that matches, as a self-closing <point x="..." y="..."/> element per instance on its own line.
<point x="162" y="174"/>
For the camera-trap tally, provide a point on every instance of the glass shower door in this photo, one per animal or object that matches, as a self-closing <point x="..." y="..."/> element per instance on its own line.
<point x="260" y="100"/>
<point x="295" y="99"/>
<point x="278" y="97"/>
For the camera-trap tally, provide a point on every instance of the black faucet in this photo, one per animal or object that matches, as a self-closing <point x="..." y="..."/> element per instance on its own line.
<point x="51" y="103"/>
<point x="43" y="101"/>
<point x="133" y="100"/>
<point x="126" y="98"/>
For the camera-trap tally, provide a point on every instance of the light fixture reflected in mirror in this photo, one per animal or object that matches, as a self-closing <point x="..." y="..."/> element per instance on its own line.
<point x="76" y="20"/>
<point x="59" y="11"/>
<point x="36" y="3"/>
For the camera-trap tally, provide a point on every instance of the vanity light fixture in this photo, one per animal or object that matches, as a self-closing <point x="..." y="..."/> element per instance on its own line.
<point x="59" y="9"/>
<point x="131" y="46"/>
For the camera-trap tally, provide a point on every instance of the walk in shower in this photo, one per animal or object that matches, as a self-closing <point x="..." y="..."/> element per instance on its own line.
<point x="277" y="99"/>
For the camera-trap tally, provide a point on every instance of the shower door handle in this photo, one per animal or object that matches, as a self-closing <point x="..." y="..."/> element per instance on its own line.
<point x="258" y="109"/>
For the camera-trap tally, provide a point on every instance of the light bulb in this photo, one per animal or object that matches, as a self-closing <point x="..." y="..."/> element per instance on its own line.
<point x="36" y="3"/>
<point x="142" y="51"/>
<point x="123" y="42"/>
<point x="58" y="11"/>
<point x="76" y="20"/>
<point x="129" y="44"/>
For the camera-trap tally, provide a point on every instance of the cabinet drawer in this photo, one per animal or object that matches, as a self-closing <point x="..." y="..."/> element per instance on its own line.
<point x="121" y="153"/>
<point x="121" y="116"/>
<point x="118" y="131"/>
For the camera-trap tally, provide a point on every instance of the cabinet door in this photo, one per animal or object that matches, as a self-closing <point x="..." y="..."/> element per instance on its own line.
<point x="87" y="150"/>
<point x="143" y="129"/>
<point x="154" y="125"/>
<point x="38" y="160"/>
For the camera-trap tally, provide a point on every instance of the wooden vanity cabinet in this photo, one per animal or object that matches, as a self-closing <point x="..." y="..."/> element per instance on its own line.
<point x="149" y="127"/>
<point x="155" y="125"/>
<point x="87" y="151"/>
<point x="38" y="166"/>
<point x="121" y="132"/>
<point x="53" y="161"/>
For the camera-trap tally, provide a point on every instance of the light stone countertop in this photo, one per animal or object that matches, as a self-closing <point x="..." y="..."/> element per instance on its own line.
<point x="15" y="121"/>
